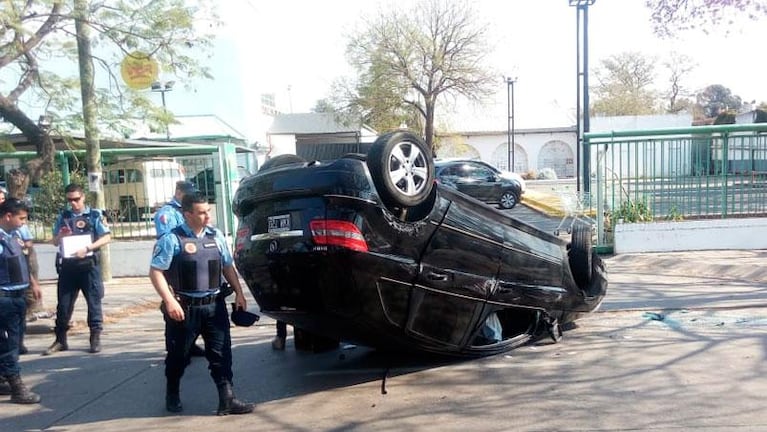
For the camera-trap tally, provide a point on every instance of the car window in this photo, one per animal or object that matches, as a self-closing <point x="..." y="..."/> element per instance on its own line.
<point x="478" y="172"/>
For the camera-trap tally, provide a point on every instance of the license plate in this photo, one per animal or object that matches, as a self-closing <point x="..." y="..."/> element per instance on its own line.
<point x="279" y="223"/>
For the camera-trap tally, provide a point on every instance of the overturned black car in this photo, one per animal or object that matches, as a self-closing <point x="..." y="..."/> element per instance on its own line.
<point x="370" y="249"/>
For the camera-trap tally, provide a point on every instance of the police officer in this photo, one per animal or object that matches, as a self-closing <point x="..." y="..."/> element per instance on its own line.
<point x="79" y="271"/>
<point x="186" y="271"/>
<point x="29" y="252"/>
<point x="168" y="217"/>
<point x="15" y="278"/>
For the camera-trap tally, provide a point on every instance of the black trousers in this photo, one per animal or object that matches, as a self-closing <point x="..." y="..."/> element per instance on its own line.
<point x="12" y="314"/>
<point x="69" y="285"/>
<point x="211" y="321"/>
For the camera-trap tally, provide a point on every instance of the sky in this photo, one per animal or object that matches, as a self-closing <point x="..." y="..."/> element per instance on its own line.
<point x="295" y="49"/>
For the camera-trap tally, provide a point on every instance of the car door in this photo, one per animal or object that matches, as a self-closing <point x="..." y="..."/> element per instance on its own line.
<point x="481" y="182"/>
<point x="457" y="273"/>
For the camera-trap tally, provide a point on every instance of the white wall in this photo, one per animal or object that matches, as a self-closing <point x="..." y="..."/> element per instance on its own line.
<point x="715" y="234"/>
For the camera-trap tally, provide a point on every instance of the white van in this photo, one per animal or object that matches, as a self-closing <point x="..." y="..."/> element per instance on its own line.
<point x="135" y="188"/>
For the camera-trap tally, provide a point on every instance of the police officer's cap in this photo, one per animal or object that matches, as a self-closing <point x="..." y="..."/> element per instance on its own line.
<point x="186" y="187"/>
<point x="243" y="318"/>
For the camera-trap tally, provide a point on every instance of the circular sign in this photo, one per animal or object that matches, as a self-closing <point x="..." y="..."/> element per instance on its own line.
<point x="139" y="70"/>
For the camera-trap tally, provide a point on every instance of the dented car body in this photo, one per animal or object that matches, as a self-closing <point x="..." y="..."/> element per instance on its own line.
<point x="370" y="249"/>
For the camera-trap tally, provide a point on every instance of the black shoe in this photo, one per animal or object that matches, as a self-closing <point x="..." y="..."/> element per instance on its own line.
<point x="20" y="394"/>
<point x="196" y="351"/>
<point x="278" y="343"/>
<point x="55" y="347"/>
<point x="173" y="403"/>
<point x="229" y="404"/>
<point x="23" y="350"/>
<point x="95" y="341"/>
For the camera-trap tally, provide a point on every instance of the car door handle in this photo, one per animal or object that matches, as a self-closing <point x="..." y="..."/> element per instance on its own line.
<point x="437" y="277"/>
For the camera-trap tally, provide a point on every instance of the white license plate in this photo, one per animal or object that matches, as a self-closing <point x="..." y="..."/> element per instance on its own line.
<point x="279" y="223"/>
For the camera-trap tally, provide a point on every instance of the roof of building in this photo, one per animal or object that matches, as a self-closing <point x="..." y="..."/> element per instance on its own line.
<point x="191" y="128"/>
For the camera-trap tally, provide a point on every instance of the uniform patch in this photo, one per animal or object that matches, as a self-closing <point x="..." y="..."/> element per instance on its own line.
<point x="190" y="248"/>
<point x="20" y="241"/>
<point x="80" y="224"/>
<point x="163" y="218"/>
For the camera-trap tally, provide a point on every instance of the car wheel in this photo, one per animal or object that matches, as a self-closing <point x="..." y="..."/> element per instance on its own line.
<point x="580" y="253"/>
<point x="508" y="200"/>
<point x="402" y="169"/>
<point x="283" y="159"/>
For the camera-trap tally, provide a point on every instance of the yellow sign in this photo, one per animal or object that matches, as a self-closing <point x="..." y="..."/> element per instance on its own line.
<point x="139" y="70"/>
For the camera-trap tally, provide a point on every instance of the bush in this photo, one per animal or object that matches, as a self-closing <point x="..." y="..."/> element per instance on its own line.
<point x="547" y="174"/>
<point x="48" y="199"/>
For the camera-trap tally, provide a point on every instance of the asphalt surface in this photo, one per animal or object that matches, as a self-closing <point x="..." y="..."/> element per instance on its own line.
<point x="678" y="344"/>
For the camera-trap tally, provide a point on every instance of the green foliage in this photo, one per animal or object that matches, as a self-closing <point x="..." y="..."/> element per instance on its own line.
<point x="49" y="198"/>
<point x="717" y="99"/>
<point x="43" y="71"/>
<point x="674" y="215"/>
<point x="624" y="86"/>
<point x="633" y="211"/>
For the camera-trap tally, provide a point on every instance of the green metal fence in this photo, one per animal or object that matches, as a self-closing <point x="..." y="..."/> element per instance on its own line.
<point x="136" y="181"/>
<point x="677" y="174"/>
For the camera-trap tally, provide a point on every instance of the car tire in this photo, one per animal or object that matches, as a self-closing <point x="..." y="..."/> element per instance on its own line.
<point x="402" y="169"/>
<point x="283" y="159"/>
<point x="580" y="253"/>
<point x="508" y="200"/>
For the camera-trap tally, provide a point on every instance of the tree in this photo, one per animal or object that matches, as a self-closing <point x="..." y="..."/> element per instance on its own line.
<point x="623" y="87"/>
<point x="407" y="60"/>
<point x="671" y="16"/>
<point x="37" y="49"/>
<point x="679" y="67"/>
<point x="717" y="99"/>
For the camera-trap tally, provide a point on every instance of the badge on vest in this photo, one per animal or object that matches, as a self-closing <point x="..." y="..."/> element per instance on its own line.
<point x="80" y="224"/>
<point x="210" y="245"/>
<point x="190" y="248"/>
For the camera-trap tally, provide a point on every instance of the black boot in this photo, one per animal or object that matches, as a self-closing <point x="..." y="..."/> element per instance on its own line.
<point x="60" y="344"/>
<point x="228" y="404"/>
<point x="172" y="398"/>
<point x="95" y="341"/>
<point x="20" y="394"/>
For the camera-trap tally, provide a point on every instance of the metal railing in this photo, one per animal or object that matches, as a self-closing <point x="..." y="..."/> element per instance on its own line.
<point x="677" y="174"/>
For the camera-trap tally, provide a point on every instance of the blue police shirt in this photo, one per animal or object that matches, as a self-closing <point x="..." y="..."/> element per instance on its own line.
<point x="25" y="233"/>
<point x="9" y="237"/>
<point x="99" y="227"/>
<point x="168" y="217"/>
<point x="168" y="246"/>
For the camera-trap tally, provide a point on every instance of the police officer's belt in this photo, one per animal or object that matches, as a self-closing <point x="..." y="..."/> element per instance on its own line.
<point x="12" y="293"/>
<point x="196" y="301"/>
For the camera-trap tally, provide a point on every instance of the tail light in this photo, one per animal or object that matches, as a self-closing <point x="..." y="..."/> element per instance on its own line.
<point x="338" y="233"/>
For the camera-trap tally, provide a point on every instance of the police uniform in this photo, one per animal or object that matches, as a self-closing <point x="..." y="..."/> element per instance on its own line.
<point x="168" y="217"/>
<point x="80" y="274"/>
<point x="29" y="298"/>
<point x="193" y="267"/>
<point x="14" y="281"/>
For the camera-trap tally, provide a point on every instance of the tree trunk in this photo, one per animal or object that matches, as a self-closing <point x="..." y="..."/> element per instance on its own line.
<point x="93" y="147"/>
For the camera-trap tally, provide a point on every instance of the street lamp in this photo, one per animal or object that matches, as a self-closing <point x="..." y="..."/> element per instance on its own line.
<point x="163" y="87"/>
<point x="510" y="123"/>
<point x="582" y="78"/>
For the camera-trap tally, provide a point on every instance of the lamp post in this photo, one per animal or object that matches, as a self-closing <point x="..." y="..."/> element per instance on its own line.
<point x="510" y="123"/>
<point x="163" y="87"/>
<point x="582" y="78"/>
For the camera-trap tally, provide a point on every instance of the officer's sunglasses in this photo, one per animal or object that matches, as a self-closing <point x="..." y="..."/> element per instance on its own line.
<point x="74" y="199"/>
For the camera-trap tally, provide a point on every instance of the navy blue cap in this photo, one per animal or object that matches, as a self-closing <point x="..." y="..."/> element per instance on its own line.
<point x="243" y="318"/>
<point x="186" y="187"/>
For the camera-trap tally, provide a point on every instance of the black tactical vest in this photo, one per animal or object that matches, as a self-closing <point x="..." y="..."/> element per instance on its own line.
<point x="198" y="267"/>
<point x="14" y="269"/>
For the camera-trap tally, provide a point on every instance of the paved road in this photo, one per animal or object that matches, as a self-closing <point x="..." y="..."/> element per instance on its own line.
<point x="678" y="345"/>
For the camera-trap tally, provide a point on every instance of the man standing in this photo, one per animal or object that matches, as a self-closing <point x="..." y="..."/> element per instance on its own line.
<point x="15" y="278"/>
<point x="186" y="271"/>
<point x="168" y="217"/>
<point x="29" y="252"/>
<point x="79" y="232"/>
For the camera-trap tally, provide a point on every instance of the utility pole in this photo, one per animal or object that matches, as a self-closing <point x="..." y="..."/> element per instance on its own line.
<point x="92" y="145"/>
